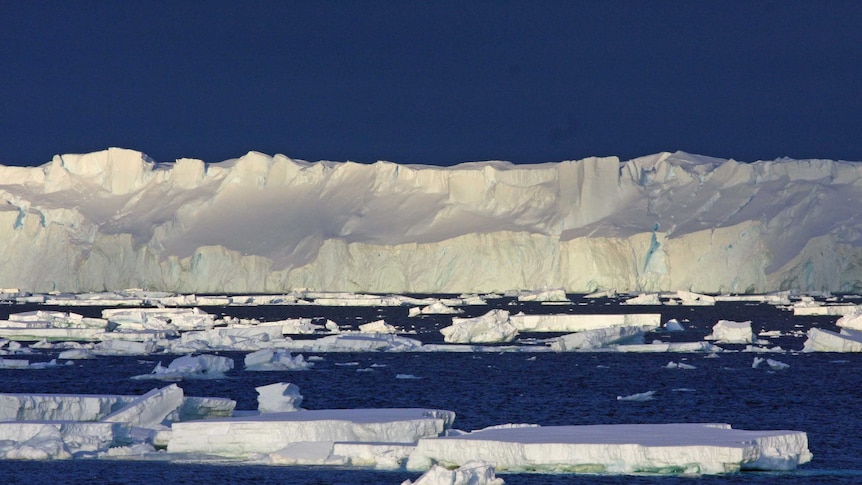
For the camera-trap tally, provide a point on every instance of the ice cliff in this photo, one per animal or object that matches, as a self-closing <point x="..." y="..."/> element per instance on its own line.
<point x="672" y="221"/>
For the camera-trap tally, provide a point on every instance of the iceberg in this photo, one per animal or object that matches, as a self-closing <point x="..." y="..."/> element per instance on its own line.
<point x="820" y="340"/>
<point x="492" y="327"/>
<point x="100" y="222"/>
<point x="852" y="321"/>
<point x="470" y="473"/>
<point x="191" y="367"/>
<point x="597" y="339"/>
<point x="623" y="448"/>
<point x="275" y="360"/>
<point x="278" y="398"/>
<point x="567" y="322"/>
<point x="269" y="433"/>
<point x="728" y="332"/>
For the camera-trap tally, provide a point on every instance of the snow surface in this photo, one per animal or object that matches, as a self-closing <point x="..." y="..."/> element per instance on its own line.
<point x="671" y="221"/>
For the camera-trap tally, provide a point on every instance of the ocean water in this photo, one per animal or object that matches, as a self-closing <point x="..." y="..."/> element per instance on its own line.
<point x="819" y="393"/>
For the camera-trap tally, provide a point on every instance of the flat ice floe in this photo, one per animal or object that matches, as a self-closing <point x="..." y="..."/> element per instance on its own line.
<point x="624" y="448"/>
<point x="820" y="340"/>
<point x="65" y="426"/>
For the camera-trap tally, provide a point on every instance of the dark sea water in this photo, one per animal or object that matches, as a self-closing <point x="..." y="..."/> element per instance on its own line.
<point x="821" y="393"/>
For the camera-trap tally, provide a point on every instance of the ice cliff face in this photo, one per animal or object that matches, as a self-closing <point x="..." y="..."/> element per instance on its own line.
<point x="115" y="219"/>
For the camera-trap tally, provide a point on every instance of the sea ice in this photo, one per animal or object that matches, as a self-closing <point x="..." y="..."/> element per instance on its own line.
<point x="852" y="321"/>
<point x="638" y="397"/>
<point x="643" y="299"/>
<point x="492" y="327"/>
<point x="728" y="332"/>
<point x="623" y="448"/>
<point x="268" y="433"/>
<point x="567" y="322"/>
<point x="596" y="339"/>
<point x="278" y="398"/>
<point x="470" y="473"/>
<point x="377" y="326"/>
<point x="275" y="360"/>
<point x="820" y="340"/>
<point x="191" y="367"/>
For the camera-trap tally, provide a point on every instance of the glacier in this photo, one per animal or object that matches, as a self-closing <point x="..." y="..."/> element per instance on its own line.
<point x="116" y="219"/>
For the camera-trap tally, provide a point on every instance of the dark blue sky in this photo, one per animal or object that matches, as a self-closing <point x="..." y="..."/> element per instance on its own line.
<point x="431" y="82"/>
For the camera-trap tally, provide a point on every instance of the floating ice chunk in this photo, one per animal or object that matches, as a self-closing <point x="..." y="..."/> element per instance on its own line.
<point x="602" y="294"/>
<point x="760" y="349"/>
<point x="149" y="410"/>
<point x="230" y="338"/>
<point x="814" y="308"/>
<point x="673" y="325"/>
<point x="679" y="365"/>
<point x="356" y="342"/>
<point x="14" y="364"/>
<point x="300" y="326"/>
<point x="473" y="472"/>
<point x="626" y="448"/>
<point x="643" y="299"/>
<point x="436" y="308"/>
<point x="76" y="354"/>
<point x="555" y="295"/>
<point x="267" y="433"/>
<point x="773" y="364"/>
<point x="377" y="326"/>
<point x="278" y="398"/>
<point x="689" y="298"/>
<point x="159" y="318"/>
<point x="59" y="407"/>
<point x="567" y="322"/>
<point x="191" y="367"/>
<point x="596" y="339"/>
<point x="52" y="440"/>
<point x="820" y="340"/>
<point x="125" y="347"/>
<point x="852" y="321"/>
<point x="728" y="332"/>
<point x="638" y="397"/>
<point x="492" y="327"/>
<point x="272" y="360"/>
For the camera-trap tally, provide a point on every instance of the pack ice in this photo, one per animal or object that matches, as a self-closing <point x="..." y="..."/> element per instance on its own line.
<point x="165" y="424"/>
<point x="265" y="224"/>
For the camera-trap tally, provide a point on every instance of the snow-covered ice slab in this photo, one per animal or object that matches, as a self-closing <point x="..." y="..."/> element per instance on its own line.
<point x="355" y="342"/>
<point x="567" y="322"/>
<point x="59" y="407"/>
<point x="491" y="327"/>
<point x="819" y="310"/>
<point x="623" y="449"/>
<point x="52" y="440"/>
<point x="150" y="409"/>
<point x="52" y="334"/>
<point x="729" y="332"/>
<point x="159" y="318"/>
<point x="470" y="473"/>
<point x="669" y="347"/>
<point x="820" y="340"/>
<point x="852" y="321"/>
<point x="268" y="433"/>
<point x="597" y="339"/>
